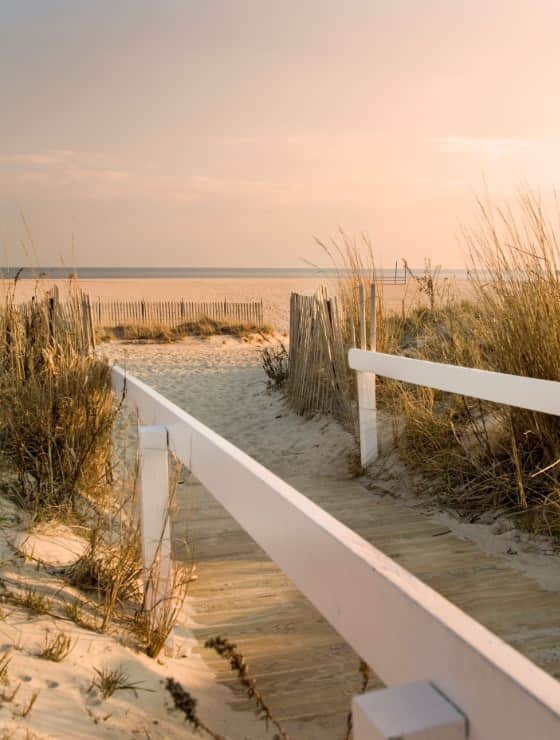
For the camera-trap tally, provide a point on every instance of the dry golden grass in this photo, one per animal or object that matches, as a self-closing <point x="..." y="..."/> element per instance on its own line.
<point x="482" y="457"/>
<point x="57" y="425"/>
<point x="57" y="646"/>
<point x="56" y="406"/>
<point x="478" y="457"/>
<point x="204" y="327"/>
<point x="354" y="263"/>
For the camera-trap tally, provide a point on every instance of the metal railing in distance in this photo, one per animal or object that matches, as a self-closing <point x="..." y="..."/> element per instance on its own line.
<point x="407" y="632"/>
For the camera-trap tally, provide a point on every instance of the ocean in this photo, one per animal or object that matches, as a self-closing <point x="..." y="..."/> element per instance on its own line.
<point x="135" y="273"/>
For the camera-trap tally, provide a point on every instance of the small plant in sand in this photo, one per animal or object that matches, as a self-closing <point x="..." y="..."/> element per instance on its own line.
<point x="25" y="709"/>
<point x="275" y="364"/>
<point x="110" y="568"/>
<point x="4" y="665"/>
<point x="75" y="610"/>
<point x="156" y="619"/>
<point x="34" y="601"/>
<point x="56" y="646"/>
<point x="7" y="694"/>
<point x="108" y="680"/>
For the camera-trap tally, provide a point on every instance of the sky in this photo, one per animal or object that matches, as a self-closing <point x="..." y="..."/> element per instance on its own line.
<point x="231" y="132"/>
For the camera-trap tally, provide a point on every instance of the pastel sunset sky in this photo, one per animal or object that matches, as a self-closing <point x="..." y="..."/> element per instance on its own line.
<point x="229" y="132"/>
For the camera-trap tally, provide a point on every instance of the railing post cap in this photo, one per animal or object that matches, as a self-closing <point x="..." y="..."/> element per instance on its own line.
<point x="411" y="711"/>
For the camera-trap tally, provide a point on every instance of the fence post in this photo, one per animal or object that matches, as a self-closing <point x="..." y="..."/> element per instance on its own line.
<point x="363" y="334"/>
<point x="51" y="314"/>
<point x="415" y="710"/>
<point x="367" y="407"/>
<point x="91" y="322"/>
<point x="372" y="320"/>
<point x="154" y="513"/>
<point x="85" y="325"/>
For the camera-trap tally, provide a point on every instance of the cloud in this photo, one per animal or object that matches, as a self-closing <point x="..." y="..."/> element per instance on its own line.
<point x="42" y="159"/>
<point x="494" y="148"/>
<point x="68" y="174"/>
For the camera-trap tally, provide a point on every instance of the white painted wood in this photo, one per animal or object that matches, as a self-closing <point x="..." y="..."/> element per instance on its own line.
<point x="512" y="390"/>
<point x="402" y="628"/>
<point x="367" y="404"/>
<point x="415" y="711"/>
<point x="154" y="512"/>
<point x="367" y="418"/>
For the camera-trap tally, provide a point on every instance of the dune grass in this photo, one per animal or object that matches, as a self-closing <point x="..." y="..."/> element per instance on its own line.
<point x="482" y="457"/>
<point x="475" y="456"/>
<point x="58" y="425"/>
<point x="354" y="263"/>
<point x="205" y="327"/>
<point x="56" y="406"/>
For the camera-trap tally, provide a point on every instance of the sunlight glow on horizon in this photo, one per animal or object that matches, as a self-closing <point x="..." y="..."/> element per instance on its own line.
<point x="230" y="133"/>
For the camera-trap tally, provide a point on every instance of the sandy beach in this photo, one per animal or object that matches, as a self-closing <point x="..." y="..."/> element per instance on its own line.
<point x="275" y="292"/>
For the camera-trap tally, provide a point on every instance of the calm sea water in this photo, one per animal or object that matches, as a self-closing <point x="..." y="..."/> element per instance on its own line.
<point x="120" y="273"/>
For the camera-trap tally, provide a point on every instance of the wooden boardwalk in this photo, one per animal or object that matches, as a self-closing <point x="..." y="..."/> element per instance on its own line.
<point x="306" y="671"/>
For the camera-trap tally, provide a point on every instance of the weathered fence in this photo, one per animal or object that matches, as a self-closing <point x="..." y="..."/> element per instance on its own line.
<point x="174" y="313"/>
<point x="447" y="676"/>
<point x="71" y="319"/>
<point x="318" y="378"/>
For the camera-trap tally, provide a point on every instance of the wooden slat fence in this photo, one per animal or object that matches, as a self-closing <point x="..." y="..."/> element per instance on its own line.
<point x="318" y="378"/>
<point x="174" y="313"/>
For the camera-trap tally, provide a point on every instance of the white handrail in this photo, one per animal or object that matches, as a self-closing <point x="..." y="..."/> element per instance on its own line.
<point x="406" y="631"/>
<point x="532" y="394"/>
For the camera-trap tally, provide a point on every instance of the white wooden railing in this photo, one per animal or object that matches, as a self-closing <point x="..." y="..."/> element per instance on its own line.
<point x="447" y="676"/>
<point x="532" y="394"/>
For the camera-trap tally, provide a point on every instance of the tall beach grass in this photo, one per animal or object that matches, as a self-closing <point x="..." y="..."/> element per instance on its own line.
<point x="481" y="457"/>
<point x="56" y="404"/>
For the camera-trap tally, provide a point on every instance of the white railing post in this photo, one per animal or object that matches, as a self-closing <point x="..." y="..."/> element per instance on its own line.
<point x="154" y="512"/>
<point x="414" y="711"/>
<point x="367" y="406"/>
